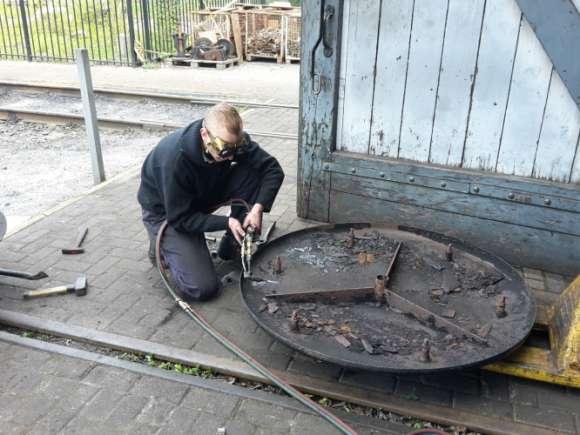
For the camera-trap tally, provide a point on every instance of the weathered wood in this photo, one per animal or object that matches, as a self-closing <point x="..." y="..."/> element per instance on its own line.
<point x="461" y="204"/>
<point x="557" y="27"/>
<point x="560" y="130"/>
<point x="422" y="79"/>
<point x="363" y="25"/>
<point x="492" y="81"/>
<point x="520" y="246"/>
<point x="460" y="48"/>
<point x="527" y="101"/>
<point x="391" y="73"/>
<point x="562" y="196"/>
<point x="318" y="91"/>
<point x="237" y="31"/>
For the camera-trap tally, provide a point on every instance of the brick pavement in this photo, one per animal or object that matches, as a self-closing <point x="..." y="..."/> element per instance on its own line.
<point x="45" y="393"/>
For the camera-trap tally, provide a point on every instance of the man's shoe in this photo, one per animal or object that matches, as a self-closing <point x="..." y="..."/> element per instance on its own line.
<point x="228" y="248"/>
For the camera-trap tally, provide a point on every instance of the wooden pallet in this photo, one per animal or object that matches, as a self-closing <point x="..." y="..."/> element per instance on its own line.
<point x="290" y="59"/>
<point x="196" y="63"/>
<point x="560" y="364"/>
<point x="252" y="57"/>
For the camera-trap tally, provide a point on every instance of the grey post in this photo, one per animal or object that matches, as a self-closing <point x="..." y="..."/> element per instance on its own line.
<point x="90" y="114"/>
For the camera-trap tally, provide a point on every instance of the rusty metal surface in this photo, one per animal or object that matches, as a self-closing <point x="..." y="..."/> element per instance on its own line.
<point x="437" y="314"/>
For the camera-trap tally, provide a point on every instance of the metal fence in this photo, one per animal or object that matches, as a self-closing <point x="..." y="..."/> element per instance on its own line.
<point x="123" y="32"/>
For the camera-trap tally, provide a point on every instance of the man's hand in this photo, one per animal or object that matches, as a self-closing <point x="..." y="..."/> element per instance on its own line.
<point x="254" y="218"/>
<point x="236" y="229"/>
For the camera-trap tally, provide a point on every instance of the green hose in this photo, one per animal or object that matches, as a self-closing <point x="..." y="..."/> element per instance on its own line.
<point x="232" y="347"/>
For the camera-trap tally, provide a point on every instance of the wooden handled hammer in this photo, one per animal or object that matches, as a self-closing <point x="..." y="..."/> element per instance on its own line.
<point x="79" y="288"/>
<point x="80" y="239"/>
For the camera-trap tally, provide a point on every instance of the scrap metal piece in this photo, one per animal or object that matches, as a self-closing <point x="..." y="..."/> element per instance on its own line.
<point x="368" y="347"/>
<point x="342" y="340"/>
<point x="500" y="307"/>
<point x="350" y="240"/>
<point x="293" y="323"/>
<point x="425" y="353"/>
<point x="449" y="252"/>
<point x="406" y="306"/>
<point x="380" y="289"/>
<point x="264" y="238"/>
<point x="389" y="268"/>
<point x="342" y="295"/>
<point x="272" y="307"/>
<point x="277" y="265"/>
<point x="23" y="275"/>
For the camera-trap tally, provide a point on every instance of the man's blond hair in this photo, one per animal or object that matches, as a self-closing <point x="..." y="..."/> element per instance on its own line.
<point x="226" y="116"/>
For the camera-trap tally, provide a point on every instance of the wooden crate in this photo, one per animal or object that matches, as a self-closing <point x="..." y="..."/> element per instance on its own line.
<point x="292" y="25"/>
<point x="264" y="35"/>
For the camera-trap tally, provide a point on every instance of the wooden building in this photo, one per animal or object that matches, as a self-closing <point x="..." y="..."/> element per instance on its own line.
<point x="457" y="116"/>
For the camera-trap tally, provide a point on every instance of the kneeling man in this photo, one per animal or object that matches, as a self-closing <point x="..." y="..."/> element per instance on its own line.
<point x="186" y="177"/>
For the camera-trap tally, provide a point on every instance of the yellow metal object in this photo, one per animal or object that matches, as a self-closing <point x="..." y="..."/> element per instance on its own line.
<point x="561" y="364"/>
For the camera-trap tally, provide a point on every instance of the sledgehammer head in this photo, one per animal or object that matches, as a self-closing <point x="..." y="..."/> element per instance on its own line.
<point x="80" y="288"/>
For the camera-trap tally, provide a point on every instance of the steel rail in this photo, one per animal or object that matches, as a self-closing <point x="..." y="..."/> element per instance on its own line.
<point x="180" y="97"/>
<point x="7" y="113"/>
<point x="247" y="358"/>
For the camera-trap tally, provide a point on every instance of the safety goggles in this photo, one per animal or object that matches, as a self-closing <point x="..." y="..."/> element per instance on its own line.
<point x="223" y="149"/>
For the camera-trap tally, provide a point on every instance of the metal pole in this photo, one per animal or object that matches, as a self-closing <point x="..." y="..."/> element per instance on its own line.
<point x="146" y="28"/>
<point x="25" y="30"/>
<point x="90" y="114"/>
<point x="131" y="25"/>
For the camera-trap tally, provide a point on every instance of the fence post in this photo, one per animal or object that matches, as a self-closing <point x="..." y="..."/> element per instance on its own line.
<point x="131" y="33"/>
<point x="146" y="29"/>
<point x="25" y="30"/>
<point x="90" y="114"/>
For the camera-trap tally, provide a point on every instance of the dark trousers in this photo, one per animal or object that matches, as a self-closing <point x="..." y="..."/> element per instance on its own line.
<point x="186" y="254"/>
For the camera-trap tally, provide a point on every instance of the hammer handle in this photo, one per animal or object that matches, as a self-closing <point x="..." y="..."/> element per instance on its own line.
<point x="46" y="292"/>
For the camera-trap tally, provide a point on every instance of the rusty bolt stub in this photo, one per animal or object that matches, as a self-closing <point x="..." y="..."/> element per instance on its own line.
<point x="277" y="265"/>
<point x="293" y="323"/>
<point x="380" y="289"/>
<point x="449" y="252"/>
<point x="500" y="310"/>
<point x="425" y="355"/>
<point x="350" y="239"/>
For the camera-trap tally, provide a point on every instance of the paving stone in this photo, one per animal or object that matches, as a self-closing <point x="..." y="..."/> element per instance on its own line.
<point x="84" y="426"/>
<point x="111" y="378"/>
<point x="410" y="390"/>
<point x="101" y="405"/>
<point x="475" y="404"/>
<point x="382" y="382"/>
<point x="53" y="422"/>
<point x="554" y="396"/>
<point x="548" y="418"/>
<point x="211" y="402"/>
<point x="149" y="386"/>
<point x="66" y="367"/>
<point x="319" y="369"/>
<point x="239" y="425"/>
<point x="155" y="412"/>
<point x="28" y="408"/>
<point x="266" y="415"/>
<point x="304" y="424"/>
<point x="495" y="386"/>
<point x="455" y="382"/>
<point x="524" y="392"/>
<point x="126" y="411"/>
<point x="137" y="428"/>
<point x="180" y="421"/>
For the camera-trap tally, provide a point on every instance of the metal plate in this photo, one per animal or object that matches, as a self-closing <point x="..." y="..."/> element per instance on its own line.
<point x="465" y="290"/>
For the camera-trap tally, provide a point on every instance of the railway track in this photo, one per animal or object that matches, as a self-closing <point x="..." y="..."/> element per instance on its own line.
<point x="120" y="93"/>
<point x="123" y="109"/>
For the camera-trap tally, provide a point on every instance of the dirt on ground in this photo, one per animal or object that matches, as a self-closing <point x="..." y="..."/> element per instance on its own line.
<point x="42" y="165"/>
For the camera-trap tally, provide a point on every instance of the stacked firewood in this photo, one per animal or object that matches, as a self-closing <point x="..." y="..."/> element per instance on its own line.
<point x="266" y="41"/>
